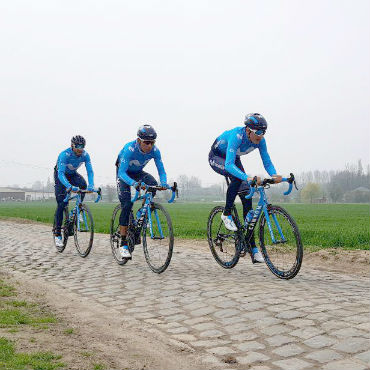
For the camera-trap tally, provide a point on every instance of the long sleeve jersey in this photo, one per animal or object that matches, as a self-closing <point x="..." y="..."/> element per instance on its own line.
<point x="68" y="163"/>
<point x="234" y="143"/>
<point x="132" y="159"/>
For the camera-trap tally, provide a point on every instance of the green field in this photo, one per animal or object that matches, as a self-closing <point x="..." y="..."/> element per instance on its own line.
<point x="321" y="225"/>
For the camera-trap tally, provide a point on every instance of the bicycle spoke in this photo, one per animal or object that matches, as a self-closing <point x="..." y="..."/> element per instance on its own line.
<point x="280" y="243"/>
<point x="222" y="242"/>
<point x="158" y="238"/>
<point x="83" y="231"/>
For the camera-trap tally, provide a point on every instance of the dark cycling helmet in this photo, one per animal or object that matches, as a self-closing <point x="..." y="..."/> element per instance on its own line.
<point x="78" y="141"/>
<point x="146" y="132"/>
<point x="255" y="121"/>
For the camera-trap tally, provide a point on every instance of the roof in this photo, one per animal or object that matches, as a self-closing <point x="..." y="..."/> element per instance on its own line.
<point x="9" y="190"/>
<point x="361" y="188"/>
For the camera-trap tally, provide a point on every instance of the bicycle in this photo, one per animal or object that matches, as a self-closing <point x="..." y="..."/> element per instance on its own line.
<point x="78" y="223"/>
<point x="279" y="236"/>
<point x="156" y="232"/>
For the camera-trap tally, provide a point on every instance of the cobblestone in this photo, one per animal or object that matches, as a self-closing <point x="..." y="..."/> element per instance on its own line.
<point x="317" y="320"/>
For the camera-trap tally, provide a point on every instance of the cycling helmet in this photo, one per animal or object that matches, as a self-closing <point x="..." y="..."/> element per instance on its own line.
<point x="146" y="132"/>
<point x="78" y="141"/>
<point x="255" y="121"/>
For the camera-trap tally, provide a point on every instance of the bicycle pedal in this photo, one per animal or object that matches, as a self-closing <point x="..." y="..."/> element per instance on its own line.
<point x="242" y="253"/>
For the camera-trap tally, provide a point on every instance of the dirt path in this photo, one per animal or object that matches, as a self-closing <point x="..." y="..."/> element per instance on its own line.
<point x="197" y="315"/>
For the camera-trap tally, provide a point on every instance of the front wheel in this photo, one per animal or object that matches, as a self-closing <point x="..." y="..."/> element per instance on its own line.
<point x="281" y="243"/>
<point x="224" y="244"/>
<point x="158" y="238"/>
<point x="83" y="230"/>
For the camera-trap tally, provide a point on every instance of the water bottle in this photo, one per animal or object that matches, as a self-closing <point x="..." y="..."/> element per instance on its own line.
<point x="249" y="217"/>
<point x="138" y="213"/>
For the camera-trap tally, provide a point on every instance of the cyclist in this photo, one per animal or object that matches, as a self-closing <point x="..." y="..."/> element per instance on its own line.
<point x="129" y="169"/>
<point x="66" y="178"/>
<point x="224" y="158"/>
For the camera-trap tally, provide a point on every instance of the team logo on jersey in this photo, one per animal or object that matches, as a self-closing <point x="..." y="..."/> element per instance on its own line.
<point x="72" y="168"/>
<point x="137" y="163"/>
<point x="131" y="148"/>
<point x="239" y="136"/>
<point x="242" y="152"/>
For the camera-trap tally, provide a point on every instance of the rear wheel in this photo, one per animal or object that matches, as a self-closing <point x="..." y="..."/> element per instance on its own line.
<point x="158" y="238"/>
<point x="284" y="256"/>
<point x="115" y="236"/>
<point x="64" y="230"/>
<point x="83" y="231"/>
<point x="224" y="244"/>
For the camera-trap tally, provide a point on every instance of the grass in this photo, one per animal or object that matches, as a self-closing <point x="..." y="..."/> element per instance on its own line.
<point x="14" y="315"/>
<point x="6" y="290"/>
<point x="98" y="367"/>
<point x="321" y="225"/>
<point x="10" y="359"/>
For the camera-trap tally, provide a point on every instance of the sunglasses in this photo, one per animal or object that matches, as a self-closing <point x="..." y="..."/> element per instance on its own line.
<point x="79" y="146"/>
<point x="258" y="132"/>
<point x="148" y="142"/>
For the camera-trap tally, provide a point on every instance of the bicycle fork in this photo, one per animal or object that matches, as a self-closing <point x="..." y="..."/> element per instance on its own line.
<point x="268" y="220"/>
<point x="151" y="224"/>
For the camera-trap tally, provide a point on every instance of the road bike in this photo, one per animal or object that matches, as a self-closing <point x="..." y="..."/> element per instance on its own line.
<point x="153" y="224"/>
<point x="78" y="222"/>
<point x="279" y="237"/>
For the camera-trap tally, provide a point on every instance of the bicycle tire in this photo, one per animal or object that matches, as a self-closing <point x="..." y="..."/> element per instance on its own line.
<point x="293" y="270"/>
<point x="84" y="252"/>
<point x="64" y="230"/>
<point x="148" y="255"/>
<point x="115" y="236"/>
<point x="220" y="238"/>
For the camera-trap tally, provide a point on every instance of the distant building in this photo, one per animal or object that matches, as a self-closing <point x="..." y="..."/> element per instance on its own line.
<point x="358" y="195"/>
<point x="7" y="194"/>
<point x="10" y="194"/>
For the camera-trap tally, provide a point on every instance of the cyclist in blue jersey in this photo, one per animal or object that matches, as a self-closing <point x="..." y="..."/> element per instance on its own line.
<point x="66" y="178"/>
<point x="130" y="163"/>
<point x="224" y="158"/>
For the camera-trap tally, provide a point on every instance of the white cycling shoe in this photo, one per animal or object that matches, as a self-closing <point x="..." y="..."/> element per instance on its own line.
<point x="124" y="252"/>
<point x="229" y="222"/>
<point x="257" y="257"/>
<point x="58" y="241"/>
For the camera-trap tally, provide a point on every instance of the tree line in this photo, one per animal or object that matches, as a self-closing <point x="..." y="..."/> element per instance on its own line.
<point x="350" y="184"/>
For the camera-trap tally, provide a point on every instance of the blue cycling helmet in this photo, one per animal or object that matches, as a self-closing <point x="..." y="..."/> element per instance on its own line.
<point x="146" y="132"/>
<point x="255" y="121"/>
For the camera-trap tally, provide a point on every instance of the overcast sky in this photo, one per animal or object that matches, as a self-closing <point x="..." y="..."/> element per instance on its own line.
<point x="190" y="68"/>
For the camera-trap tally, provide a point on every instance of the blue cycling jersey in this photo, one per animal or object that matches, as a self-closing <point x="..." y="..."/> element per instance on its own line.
<point x="132" y="159"/>
<point x="234" y="143"/>
<point x="68" y="163"/>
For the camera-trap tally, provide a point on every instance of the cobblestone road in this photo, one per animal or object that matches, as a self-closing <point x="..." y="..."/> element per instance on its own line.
<point x="237" y="319"/>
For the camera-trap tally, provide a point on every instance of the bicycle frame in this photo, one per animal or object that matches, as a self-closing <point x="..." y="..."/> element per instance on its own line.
<point x="75" y="209"/>
<point x="262" y="206"/>
<point x="148" y="198"/>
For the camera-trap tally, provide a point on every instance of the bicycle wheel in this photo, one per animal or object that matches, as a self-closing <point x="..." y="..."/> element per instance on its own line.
<point x="224" y="244"/>
<point x="115" y="236"/>
<point x="284" y="257"/>
<point x="158" y="239"/>
<point x="64" y="230"/>
<point x="83" y="224"/>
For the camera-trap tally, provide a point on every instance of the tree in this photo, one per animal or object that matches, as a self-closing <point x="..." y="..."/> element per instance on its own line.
<point x="110" y="192"/>
<point x="360" y="170"/>
<point x="310" y="192"/>
<point x="49" y="186"/>
<point x="37" y="185"/>
<point x="335" y="192"/>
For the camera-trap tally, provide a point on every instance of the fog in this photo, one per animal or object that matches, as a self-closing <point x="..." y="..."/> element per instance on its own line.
<point x="192" y="69"/>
